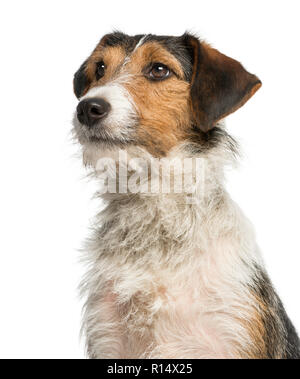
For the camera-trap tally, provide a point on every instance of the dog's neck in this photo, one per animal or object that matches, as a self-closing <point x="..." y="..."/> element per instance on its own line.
<point x="162" y="223"/>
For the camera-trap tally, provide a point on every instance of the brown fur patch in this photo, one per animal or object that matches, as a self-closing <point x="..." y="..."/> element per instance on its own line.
<point x="256" y="331"/>
<point x="113" y="57"/>
<point x="264" y="341"/>
<point x="162" y="106"/>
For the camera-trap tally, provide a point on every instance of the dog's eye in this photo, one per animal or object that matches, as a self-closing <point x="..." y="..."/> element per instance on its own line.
<point x="159" y="71"/>
<point x="100" y="70"/>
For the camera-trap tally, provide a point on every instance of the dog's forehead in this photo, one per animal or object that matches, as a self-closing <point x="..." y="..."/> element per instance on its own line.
<point x="129" y="43"/>
<point x="173" y="44"/>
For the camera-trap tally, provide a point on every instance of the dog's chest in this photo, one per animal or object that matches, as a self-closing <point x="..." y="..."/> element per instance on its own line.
<point x="183" y="314"/>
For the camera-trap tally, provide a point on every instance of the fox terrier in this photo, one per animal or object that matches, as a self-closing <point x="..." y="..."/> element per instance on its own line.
<point x="171" y="274"/>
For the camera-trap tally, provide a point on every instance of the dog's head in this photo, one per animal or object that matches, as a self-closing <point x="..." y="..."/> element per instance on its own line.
<point x="156" y="91"/>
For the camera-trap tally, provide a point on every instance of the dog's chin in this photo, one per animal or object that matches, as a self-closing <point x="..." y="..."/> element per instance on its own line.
<point x="104" y="141"/>
<point x="100" y="141"/>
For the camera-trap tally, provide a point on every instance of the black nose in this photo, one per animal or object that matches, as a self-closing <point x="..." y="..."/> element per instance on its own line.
<point x="89" y="111"/>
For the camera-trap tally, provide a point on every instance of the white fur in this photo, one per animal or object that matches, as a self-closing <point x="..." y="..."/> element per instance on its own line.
<point x="122" y="116"/>
<point x="141" y="41"/>
<point x="170" y="279"/>
<point x="122" y="106"/>
<point x="128" y="58"/>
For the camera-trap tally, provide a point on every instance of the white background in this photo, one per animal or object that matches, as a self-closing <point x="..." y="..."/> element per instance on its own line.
<point x="45" y="204"/>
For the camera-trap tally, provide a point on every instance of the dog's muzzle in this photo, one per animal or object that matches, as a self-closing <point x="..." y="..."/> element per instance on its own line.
<point x="93" y="110"/>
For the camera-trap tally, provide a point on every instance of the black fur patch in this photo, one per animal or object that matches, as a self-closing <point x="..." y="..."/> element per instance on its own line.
<point x="201" y="142"/>
<point x="80" y="81"/>
<point x="120" y="39"/>
<point x="281" y="338"/>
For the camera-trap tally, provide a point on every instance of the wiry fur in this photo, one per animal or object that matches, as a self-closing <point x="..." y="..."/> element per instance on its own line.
<point x="169" y="277"/>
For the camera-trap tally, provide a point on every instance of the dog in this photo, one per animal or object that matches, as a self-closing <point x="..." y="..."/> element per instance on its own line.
<point x="177" y="274"/>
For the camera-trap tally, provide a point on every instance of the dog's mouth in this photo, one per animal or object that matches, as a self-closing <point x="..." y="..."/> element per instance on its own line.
<point x="102" y="133"/>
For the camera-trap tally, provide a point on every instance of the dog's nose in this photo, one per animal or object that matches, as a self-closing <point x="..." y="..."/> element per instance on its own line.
<point x="89" y="111"/>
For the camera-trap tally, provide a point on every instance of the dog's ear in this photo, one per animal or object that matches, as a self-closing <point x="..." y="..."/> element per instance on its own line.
<point x="219" y="84"/>
<point x="81" y="81"/>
